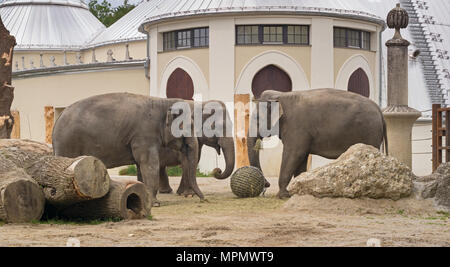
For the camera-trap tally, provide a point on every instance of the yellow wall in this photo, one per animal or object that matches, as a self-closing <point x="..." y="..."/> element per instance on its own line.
<point x="62" y="90"/>
<point x="137" y="51"/>
<point x="341" y="55"/>
<point x="243" y="55"/>
<point x="35" y="56"/>
<point x="199" y="55"/>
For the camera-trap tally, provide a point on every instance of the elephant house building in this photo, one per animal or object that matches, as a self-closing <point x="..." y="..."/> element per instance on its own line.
<point x="229" y="50"/>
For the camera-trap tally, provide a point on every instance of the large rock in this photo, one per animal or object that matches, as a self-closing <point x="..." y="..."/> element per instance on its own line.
<point x="437" y="186"/>
<point x="360" y="172"/>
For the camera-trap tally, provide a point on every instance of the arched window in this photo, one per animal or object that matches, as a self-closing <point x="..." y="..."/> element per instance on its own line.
<point x="271" y="78"/>
<point x="359" y="83"/>
<point x="180" y="85"/>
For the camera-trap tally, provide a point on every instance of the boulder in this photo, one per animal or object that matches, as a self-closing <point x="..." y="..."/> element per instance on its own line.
<point x="437" y="186"/>
<point x="361" y="172"/>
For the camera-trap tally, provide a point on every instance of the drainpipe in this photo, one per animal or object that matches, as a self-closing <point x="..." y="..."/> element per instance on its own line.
<point x="147" y="61"/>
<point x="380" y="78"/>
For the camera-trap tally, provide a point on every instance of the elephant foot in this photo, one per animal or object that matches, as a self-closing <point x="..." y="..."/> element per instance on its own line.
<point x="283" y="194"/>
<point x="156" y="203"/>
<point x="165" y="190"/>
<point x="187" y="193"/>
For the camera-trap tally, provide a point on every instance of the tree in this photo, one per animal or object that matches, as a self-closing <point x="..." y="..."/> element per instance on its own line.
<point x="106" y="13"/>
<point x="7" y="43"/>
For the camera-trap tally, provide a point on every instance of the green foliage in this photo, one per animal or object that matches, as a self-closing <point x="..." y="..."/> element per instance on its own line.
<point x="129" y="171"/>
<point x="2" y="223"/>
<point x="175" y="171"/>
<point x="108" y="15"/>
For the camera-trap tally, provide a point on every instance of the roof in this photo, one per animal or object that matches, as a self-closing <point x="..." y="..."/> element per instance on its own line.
<point x="428" y="32"/>
<point x="75" y="3"/>
<point x="49" y="24"/>
<point x="170" y="9"/>
<point x="126" y="29"/>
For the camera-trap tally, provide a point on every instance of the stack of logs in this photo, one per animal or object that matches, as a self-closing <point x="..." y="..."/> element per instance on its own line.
<point x="33" y="181"/>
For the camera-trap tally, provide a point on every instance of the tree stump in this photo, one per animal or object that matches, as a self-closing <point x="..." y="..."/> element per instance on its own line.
<point x="126" y="200"/>
<point x="65" y="181"/>
<point x="21" y="198"/>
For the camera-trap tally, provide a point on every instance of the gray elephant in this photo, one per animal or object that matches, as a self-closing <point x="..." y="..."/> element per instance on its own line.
<point x="324" y="122"/>
<point x="122" y="129"/>
<point x="224" y="142"/>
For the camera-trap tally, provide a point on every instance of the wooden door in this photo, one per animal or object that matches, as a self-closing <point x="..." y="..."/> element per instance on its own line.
<point x="180" y="85"/>
<point x="271" y="78"/>
<point x="359" y="83"/>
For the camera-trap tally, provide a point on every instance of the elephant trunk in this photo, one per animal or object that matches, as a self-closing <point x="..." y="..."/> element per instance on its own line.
<point x="253" y="151"/>
<point x="227" y="145"/>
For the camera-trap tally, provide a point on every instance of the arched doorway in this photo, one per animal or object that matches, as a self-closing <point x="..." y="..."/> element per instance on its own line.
<point x="271" y="78"/>
<point x="180" y="85"/>
<point x="359" y="83"/>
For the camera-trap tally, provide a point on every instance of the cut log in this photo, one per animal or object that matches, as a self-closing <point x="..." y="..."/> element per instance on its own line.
<point x="21" y="198"/>
<point x="65" y="181"/>
<point x="27" y="145"/>
<point x="126" y="200"/>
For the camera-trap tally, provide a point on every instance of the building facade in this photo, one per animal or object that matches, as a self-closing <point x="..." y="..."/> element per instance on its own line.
<point x="226" y="50"/>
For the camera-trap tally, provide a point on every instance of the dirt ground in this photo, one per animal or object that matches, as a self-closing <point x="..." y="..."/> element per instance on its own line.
<point x="264" y="221"/>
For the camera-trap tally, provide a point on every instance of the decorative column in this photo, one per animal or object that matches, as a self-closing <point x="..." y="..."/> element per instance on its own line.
<point x="399" y="116"/>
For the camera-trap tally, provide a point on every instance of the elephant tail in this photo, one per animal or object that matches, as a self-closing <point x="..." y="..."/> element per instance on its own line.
<point x="385" y="136"/>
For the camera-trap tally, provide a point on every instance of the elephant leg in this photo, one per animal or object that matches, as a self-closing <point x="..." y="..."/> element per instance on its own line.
<point x="292" y="162"/>
<point x="164" y="186"/>
<point x="185" y="189"/>
<point x="139" y="174"/>
<point x="148" y="162"/>
<point x="302" y="167"/>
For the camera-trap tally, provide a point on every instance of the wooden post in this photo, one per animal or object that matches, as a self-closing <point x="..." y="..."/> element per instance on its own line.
<point x="49" y="123"/>
<point x="437" y="140"/>
<point x="15" y="134"/>
<point x="309" y="164"/>
<point x="447" y="135"/>
<point x="241" y="126"/>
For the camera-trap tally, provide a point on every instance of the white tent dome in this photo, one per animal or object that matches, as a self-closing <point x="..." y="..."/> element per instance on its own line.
<point x="49" y="24"/>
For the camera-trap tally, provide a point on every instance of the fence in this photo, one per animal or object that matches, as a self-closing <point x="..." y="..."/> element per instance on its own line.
<point x="441" y="129"/>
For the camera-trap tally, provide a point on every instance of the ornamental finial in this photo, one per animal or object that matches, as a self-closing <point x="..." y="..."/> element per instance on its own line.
<point x="397" y="19"/>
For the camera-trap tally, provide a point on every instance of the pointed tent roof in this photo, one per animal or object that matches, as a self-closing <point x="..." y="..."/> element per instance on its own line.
<point x="49" y="24"/>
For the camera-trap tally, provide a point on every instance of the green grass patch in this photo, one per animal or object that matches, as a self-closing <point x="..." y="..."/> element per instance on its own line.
<point x="444" y="214"/>
<point x="58" y="221"/>
<point x="175" y="171"/>
<point x="2" y="223"/>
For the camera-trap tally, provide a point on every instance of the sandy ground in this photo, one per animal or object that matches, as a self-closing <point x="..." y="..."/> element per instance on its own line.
<point x="265" y="221"/>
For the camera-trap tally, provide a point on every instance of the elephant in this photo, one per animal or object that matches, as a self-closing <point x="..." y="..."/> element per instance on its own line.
<point x="170" y="157"/>
<point x="323" y="122"/>
<point x="122" y="129"/>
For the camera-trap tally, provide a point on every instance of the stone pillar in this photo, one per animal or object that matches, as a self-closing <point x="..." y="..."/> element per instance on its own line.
<point x="399" y="116"/>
